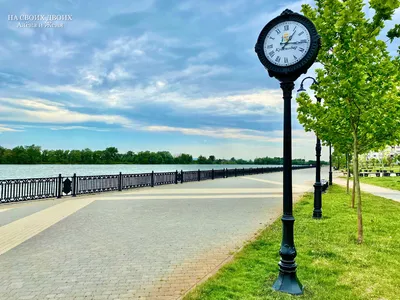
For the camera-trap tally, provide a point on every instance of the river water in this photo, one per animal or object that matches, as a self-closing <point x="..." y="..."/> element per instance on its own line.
<point x="35" y="171"/>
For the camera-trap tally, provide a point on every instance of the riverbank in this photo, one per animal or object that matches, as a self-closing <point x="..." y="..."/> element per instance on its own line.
<point x="331" y="265"/>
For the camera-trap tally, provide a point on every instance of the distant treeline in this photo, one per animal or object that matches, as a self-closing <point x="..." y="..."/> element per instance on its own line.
<point x="35" y="155"/>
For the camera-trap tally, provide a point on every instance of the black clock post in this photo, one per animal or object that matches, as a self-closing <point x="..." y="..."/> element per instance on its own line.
<point x="295" y="38"/>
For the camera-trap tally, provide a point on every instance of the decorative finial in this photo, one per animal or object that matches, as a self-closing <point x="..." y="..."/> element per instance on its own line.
<point x="287" y="12"/>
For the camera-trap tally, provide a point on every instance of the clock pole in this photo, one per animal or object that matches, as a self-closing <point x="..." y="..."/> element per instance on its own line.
<point x="287" y="280"/>
<point x="298" y="31"/>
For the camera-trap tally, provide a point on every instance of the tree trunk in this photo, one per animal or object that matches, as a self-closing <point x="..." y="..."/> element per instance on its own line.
<point x="348" y="171"/>
<point x="353" y="195"/>
<point x="356" y="187"/>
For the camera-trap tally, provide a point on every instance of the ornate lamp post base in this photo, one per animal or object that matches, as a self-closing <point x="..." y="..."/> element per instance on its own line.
<point x="317" y="212"/>
<point x="288" y="283"/>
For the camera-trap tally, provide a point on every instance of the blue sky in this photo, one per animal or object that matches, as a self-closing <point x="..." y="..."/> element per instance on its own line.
<point x="141" y="75"/>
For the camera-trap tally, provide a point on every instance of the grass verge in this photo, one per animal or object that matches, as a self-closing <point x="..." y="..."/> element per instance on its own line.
<point x="331" y="265"/>
<point x="386" y="182"/>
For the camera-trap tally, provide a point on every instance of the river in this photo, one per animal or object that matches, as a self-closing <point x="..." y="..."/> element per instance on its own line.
<point x="36" y="171"/>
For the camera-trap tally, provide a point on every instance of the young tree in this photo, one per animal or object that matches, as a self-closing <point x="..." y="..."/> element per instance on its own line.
<point x="359" y="82"/>
<point x="338" y="159"/>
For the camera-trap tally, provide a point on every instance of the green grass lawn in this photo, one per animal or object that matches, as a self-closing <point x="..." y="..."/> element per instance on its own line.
<point x="331" y="265"/>
<point x="387" y="182"/>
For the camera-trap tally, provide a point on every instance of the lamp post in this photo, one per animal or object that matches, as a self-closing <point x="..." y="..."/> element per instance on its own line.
<point x="317" y="212"/>
<point x="330" y="164"/>
<point x="287" y="47"/>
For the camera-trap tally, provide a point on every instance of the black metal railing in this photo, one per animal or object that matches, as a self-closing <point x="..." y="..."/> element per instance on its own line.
<point x="130" y="181"/>
<point x="95" y="184"/>
<point x="190" y="176"/>
<point x="164" y="178"/>
<point x="28" y="189"/>
<point x="12" y="190"/>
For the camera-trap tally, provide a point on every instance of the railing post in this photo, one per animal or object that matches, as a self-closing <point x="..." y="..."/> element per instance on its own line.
<point x="181" y="176"/>
<point x="152" y="178"/>
<point x="176" y="177"/>
<point x="74" y="185"/>
<point x="198" y="175"/>
<point x="212" y="174"/>
<point x="243" y="172"/>
<point x="235" y="172"/>
<point x="120" y="181"/>
<point x="225" y="174"/>
<point x="59" y="192"/>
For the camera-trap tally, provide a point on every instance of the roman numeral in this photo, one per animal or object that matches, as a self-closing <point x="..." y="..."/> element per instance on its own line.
<point x="303" y="41"/>
<point x="271" y="38"/>
<point x="277" y="31"/>
<point x="286" y="28"/>
<point x="272" y="53"/>
<point x="286" y="60"/>
<point x="301" y="33"/>
<point x="301" y="49"/>
<point x="294" y="56"/>
<point x="270" y="46"/>
<point x="278" y="59"/>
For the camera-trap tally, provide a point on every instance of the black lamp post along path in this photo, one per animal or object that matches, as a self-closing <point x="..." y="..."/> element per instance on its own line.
<point x="317" y="212"/>
<point x="287" y="47"/>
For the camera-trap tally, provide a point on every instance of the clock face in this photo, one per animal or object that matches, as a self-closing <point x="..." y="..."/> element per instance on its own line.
<point x="287" y="43"/>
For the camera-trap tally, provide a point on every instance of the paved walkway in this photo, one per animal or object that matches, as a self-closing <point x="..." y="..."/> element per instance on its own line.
<point x="150" y="243"/>
<point x="372" y="189"/>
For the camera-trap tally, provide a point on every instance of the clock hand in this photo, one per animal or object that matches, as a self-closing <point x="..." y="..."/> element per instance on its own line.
<point x="289" y="39"/>
<point x="294" y="43"/>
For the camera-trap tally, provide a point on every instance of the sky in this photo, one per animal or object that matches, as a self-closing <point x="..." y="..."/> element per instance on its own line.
<point x="180" y="76"/>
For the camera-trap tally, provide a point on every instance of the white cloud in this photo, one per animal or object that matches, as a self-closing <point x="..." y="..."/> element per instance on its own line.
<point x="299" y="136"/>
<point x="80" y="27"/>
<point x="259" y="103"/>
<point x="40" y="111"/>
<point x="161" y="84"/>
<point x="258" y="22"/>
<point x="6" y="128"/>
<point x="118" y="73"/>
<point x="18" y="27"/>
<point x="264" y="102"/>
<point x="55" y="50"/>
<point x="123" y="7"/>
<point x="132" y="51"/>
<point x="193" y="72"/>
<point x="221" y="7"/>
<point x="204" y="56"/>
<point x="78" y="128"/>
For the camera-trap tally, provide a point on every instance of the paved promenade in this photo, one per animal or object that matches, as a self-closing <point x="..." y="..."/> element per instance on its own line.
<point x="372" y="189"/>
<point x="150" y="243"/>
